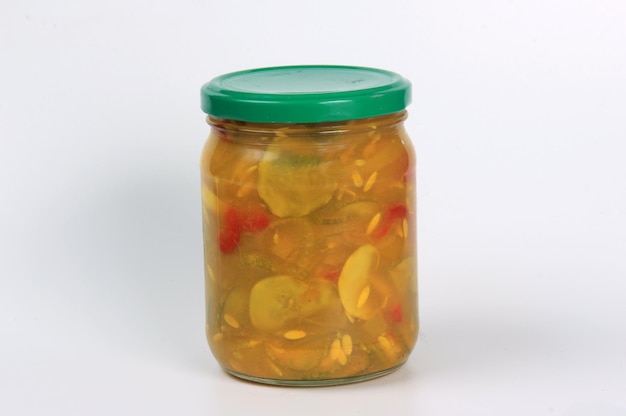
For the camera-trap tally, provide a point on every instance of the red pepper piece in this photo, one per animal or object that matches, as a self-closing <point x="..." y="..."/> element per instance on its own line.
<point x="397" y="211"/>
<point x="393" y="213"/>
<point x="332" y="275"/>
<point x="230" y="233"/>
<point x="237" y="221"/>
<point x="228" y="239"/>
<point x="394" y="313"/>
<point x="231" y="219"/>
<point x="253" y="220"/>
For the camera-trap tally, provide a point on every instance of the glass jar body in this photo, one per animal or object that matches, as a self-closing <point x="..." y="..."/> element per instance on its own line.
<point x="310" y="249"/>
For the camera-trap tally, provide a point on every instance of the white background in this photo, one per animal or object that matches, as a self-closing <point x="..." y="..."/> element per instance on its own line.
<point x="519" y="121"/>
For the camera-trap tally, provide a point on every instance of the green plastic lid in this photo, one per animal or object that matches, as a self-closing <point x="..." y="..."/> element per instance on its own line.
<point x="305" y="94"/>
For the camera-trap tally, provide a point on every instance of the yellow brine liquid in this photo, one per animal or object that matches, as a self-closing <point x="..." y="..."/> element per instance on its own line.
<point x="310" y="249"/>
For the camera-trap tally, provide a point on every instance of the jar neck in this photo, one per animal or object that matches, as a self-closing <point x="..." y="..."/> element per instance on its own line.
<point x="308" y="129"/>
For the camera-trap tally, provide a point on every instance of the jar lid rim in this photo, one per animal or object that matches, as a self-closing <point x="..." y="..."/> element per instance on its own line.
<point x="305" y="94"/>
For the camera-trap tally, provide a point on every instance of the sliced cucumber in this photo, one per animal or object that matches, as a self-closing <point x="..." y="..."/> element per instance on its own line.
<point x="283" y="302"/>
<point x="274" y="302"/>
<point x="356" y="291"/>
<point x="234" y="310"/>
<point x="403" y="275"/>
<point x="300" y="358"/>
<point x="294" y="186"/>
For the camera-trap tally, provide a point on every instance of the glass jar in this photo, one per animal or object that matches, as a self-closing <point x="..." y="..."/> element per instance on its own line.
<point x="309" y="221"/>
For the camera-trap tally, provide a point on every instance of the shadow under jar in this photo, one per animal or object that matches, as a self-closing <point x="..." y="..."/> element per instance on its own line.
<point x="309" y="224"/>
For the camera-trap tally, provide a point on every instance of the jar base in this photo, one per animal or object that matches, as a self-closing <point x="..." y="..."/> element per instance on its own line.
<point x="314" y="383"/>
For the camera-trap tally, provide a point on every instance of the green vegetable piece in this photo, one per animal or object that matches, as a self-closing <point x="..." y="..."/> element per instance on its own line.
<point x="294" y="186"/>
<point x="280" y="302"/>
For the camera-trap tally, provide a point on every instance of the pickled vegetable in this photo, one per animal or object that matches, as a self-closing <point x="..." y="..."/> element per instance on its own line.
<point x="276" y="302"/>
<point x="293" y="186"/>
<point x="355" y="282"/>
<point x="311" y="248"/>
